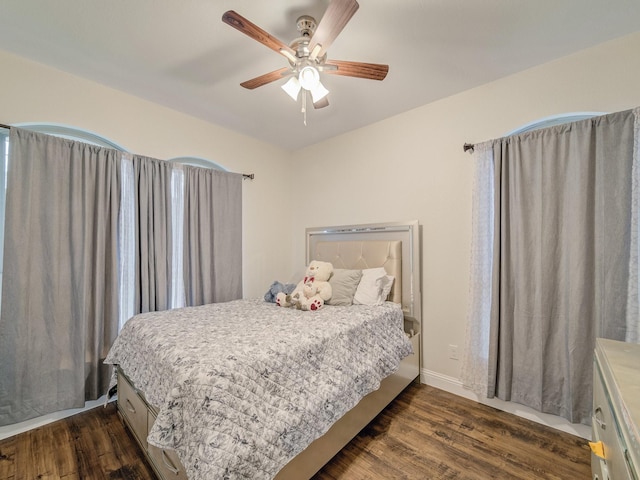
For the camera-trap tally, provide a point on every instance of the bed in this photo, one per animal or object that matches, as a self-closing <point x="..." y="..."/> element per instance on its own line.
<point x="246" y="389"/>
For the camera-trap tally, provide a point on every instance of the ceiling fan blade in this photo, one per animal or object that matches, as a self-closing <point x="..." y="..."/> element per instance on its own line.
<point x="333" y="21"/>
<point x="266" y="78"/>
<point x="372" y="71"/>
<point x="250" y="29"/>
<point x="323" y="102"/>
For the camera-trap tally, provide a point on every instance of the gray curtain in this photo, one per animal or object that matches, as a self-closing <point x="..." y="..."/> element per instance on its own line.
<point x="561" y="243"/>
<point x="212" y="236"/>
<point x="59" y="296"/>
<point x="152" y="205"/>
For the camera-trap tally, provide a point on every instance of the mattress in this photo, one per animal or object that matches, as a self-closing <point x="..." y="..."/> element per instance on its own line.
<point x="244" y="386"/>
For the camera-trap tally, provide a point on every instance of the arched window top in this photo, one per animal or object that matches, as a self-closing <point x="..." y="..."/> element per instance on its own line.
<point x="554" y="120"/>
<point x="82" y="135"/>
<point x="72" y="133"/>
<point x="198" y="162"/>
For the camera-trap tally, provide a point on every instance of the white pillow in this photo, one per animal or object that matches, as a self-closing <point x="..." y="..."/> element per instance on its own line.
<point x="372" y="287"/>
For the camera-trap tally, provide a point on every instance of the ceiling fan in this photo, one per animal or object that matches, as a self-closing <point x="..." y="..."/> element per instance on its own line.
<point x="307" y="54"/>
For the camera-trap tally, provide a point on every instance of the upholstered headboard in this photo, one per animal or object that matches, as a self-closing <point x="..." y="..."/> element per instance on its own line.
<point x="365" y="254"/>
<point x="394" y="246"/>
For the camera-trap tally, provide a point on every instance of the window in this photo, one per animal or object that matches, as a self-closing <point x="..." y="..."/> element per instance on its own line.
<point x="198" y="162"/>
<point x="553" y="121"/>
<point x="126" y="259"/>
<point x="72" y="133"/>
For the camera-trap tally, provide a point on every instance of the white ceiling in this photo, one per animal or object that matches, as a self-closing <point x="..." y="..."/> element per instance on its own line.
<point x="180" y="54"/>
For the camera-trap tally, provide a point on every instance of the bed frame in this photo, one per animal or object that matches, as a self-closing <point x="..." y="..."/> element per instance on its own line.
<point x="394" y="246"/>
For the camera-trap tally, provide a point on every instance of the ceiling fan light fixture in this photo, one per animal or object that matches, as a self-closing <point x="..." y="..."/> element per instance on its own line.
<point x="319" y="92"/>
<point x="292" y="87"/>
<point x="309" y="78"/>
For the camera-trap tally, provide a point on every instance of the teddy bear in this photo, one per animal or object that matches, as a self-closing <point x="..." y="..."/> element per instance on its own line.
<point x="312" y="291"/>
<point x="277" y="287"/>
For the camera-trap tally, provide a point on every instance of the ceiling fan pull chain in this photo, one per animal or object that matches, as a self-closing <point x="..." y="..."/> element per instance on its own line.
<point x="304" y="106"/>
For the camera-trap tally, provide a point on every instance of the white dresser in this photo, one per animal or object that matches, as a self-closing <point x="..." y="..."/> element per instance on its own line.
<point x="616" y="411"/>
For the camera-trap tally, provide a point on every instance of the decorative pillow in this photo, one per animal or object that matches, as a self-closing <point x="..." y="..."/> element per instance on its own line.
<point x="343" y="284"/>
<point x="372" y="287"/>
<point x="385" y="289"/>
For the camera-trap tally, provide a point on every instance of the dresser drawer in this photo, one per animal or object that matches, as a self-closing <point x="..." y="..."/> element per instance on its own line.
<point x="165" y="462"/>
<point x="133" y="409"/>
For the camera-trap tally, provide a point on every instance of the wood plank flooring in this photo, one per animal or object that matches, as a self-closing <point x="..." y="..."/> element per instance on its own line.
<point x="90" y="445"/>
<point x="425" y="433"/>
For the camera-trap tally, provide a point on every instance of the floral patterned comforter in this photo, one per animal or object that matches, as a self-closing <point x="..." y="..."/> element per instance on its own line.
<point x="242" y="387"/>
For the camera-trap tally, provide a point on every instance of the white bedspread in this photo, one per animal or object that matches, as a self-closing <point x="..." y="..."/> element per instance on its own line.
<point x="242" y="387"/>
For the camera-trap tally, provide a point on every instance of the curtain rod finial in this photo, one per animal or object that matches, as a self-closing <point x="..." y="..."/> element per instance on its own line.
<point x="468" y="146"/>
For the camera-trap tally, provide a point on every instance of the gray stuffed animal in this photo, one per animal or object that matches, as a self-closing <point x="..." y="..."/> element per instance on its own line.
<point x="277" y="287"/>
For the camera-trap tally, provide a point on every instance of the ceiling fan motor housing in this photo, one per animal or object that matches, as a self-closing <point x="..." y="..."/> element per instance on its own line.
<point x="306" y="25"/>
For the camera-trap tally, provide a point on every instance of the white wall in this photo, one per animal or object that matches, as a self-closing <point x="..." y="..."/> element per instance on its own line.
<point x="31" y="92"/>
<point x="412" y="166"/>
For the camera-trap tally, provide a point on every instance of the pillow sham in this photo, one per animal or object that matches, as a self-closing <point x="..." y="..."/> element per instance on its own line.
<point x="344" y="283"/>
<point x="385" y="289"/>
<point x="374" y="287"/>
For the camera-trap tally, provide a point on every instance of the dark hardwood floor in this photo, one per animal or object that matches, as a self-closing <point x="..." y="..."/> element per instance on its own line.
<point x="425" y="433"/>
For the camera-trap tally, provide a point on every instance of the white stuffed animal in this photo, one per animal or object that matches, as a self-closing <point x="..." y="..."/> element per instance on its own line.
<point x="312" y="291"/>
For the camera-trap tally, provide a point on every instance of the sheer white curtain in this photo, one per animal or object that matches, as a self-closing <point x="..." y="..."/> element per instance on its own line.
<point x="177" y="220"/>
<point x="475" y="361"/>
<point x="633" y="311"/>
<point x="4" y="157"/>
<point x="127" y="244"/>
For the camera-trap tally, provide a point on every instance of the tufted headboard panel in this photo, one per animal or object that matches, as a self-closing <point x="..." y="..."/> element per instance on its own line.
<point x="365" y="254"/>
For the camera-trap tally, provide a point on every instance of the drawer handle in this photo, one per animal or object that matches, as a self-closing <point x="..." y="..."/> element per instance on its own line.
<point x="599" y="420"/>
<point x="130" y="406"/>
<point x="169" y="464"/>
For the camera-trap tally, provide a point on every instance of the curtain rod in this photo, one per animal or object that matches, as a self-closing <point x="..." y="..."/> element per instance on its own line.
<point x="249" y="176"/>
<point x="468" y="146"/>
